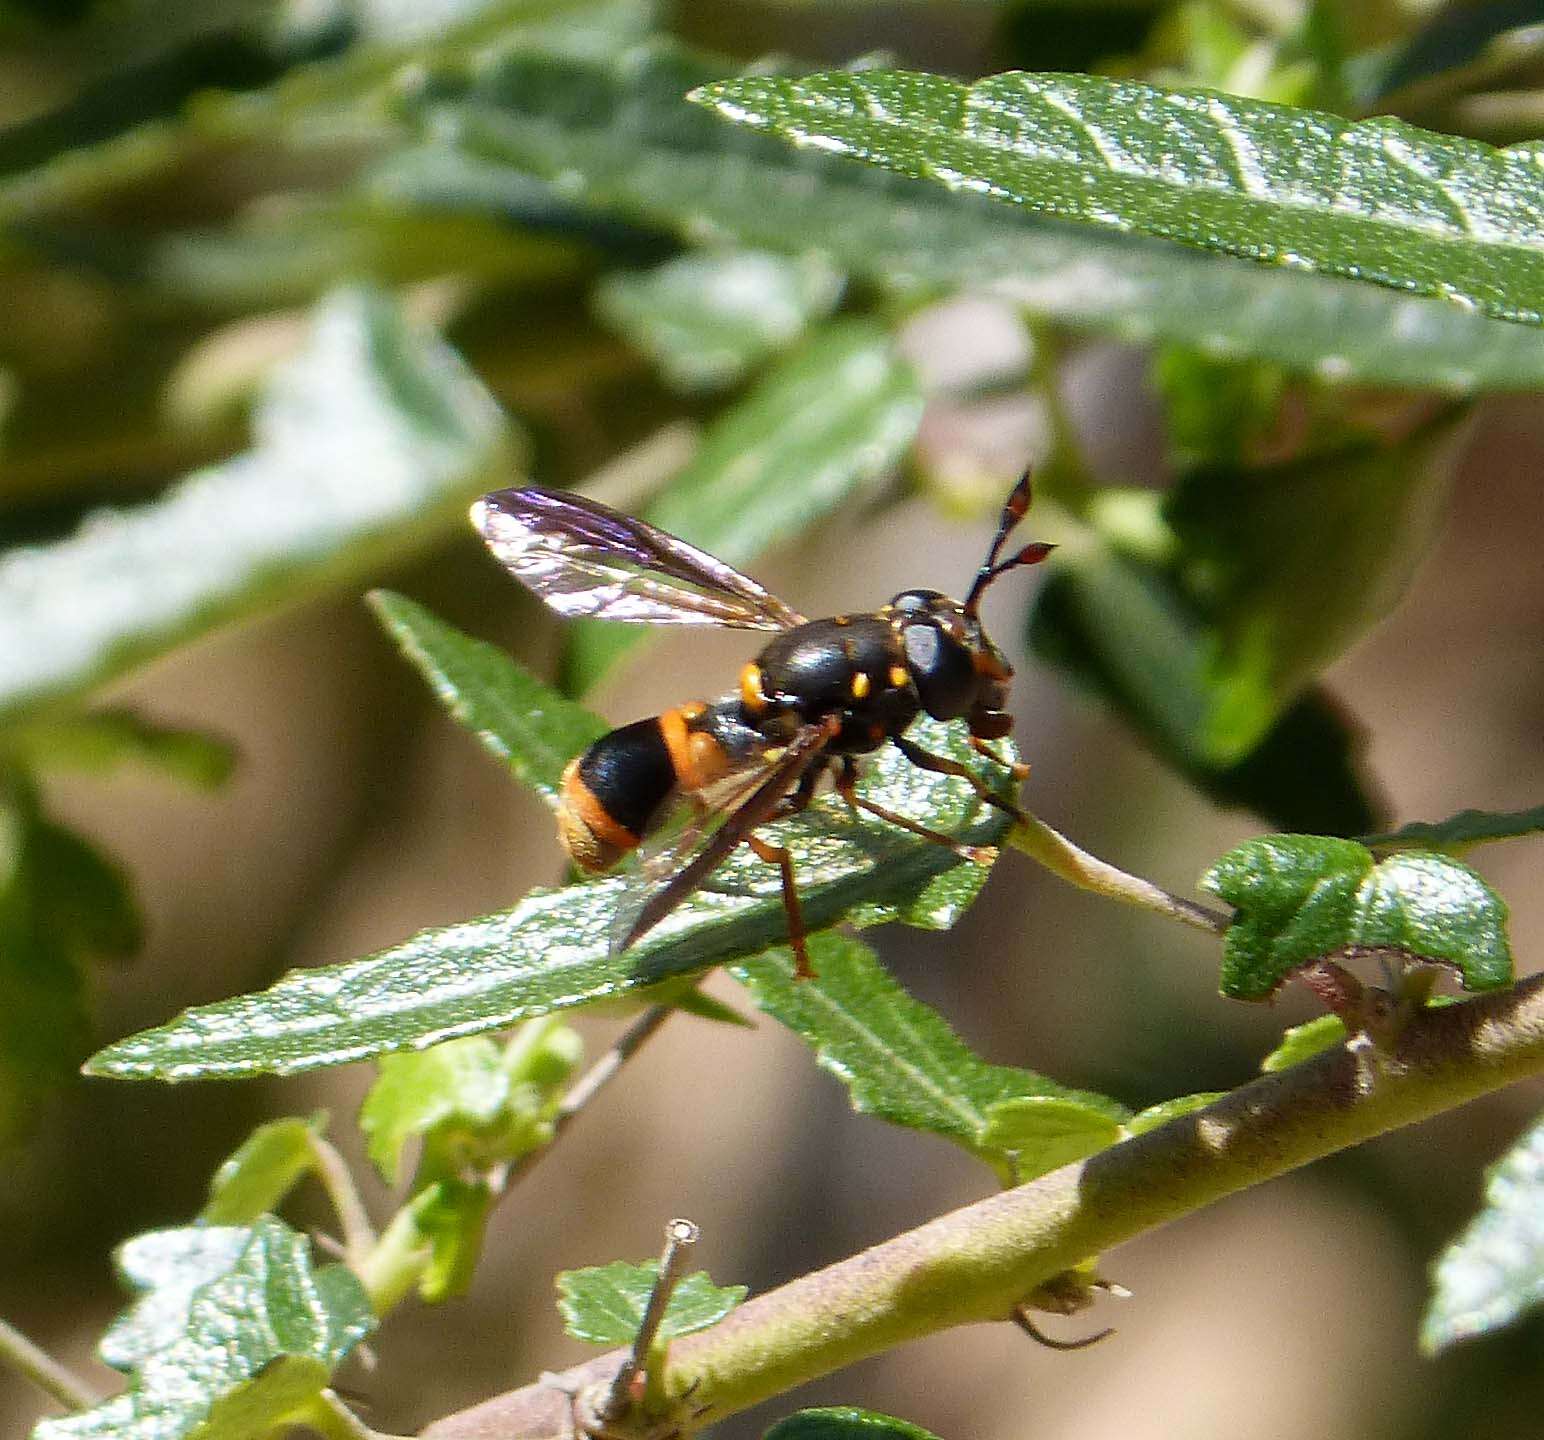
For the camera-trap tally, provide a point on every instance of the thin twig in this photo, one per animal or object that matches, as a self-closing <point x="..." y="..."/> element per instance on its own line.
<point x="54" y="1379"/>
<point x="594" y="1080"/>
<point x="338" y="1181"/>
<point x="1061" y="857"/>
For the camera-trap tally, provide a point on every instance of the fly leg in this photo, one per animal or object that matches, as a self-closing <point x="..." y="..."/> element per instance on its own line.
<point x="942" y="765"/>
<point x="1019" y="769"/>
<point x="778" y="855"/>
<point x="846" y="783"/>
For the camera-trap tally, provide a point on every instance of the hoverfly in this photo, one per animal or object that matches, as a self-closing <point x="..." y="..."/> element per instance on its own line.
<point x="818" y="696"/>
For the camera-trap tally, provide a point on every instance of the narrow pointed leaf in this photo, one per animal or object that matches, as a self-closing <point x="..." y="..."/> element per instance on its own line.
<point x="1124" y="630"/>
<point x="1375" y="200"/>
<point x="62" y="904"/>
<point x="845" y="1423"/>
<point x="1294" y="563"/>
<point x="897" y="1057"/>
<point x="553" y="950"/>
<point x="369" y="441"/>
<point x="1494" y="1272"/>
<point x="1304" y="897"/>
<point x="526" y="724"/>
<point x="821" y="429"/>
<point x="262" y="1170"/>
<point x="707" y="319"/>
<point x="236" y="1333"/>
<point x="604" y="1304"/>
<point x="1463" y="831"/>
<point x="101" y="741"/>
<point x="623" y="144"/>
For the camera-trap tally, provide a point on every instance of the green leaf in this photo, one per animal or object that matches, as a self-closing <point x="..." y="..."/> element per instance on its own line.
<point x="367" y="443"/>
<point x="616" y="136"/>
<point x="823" y="427"/>
<point x="1293" y="563"/>
<point x="845" y="1423"/>
<point x="1303" y="1042"/>
<point x="236" y="1333"/>
<point x="459" y="1083"/>
<point x="455" y="1219"/>
<point x="1303" y="897"/>
<point x="1217" y="410"/>
<point x="100" y="741"/>
<point x="1042" y="1133"/>
<point x="1124" y="631"/>
<point x="708" y="319"/>
<point x="553" y="950"/>
<point x="526" y="724"/>
<point x="338" y="97"/>
<point x="62" y="904"/>
<point x="1166" y="1110"/>
<point x="262" y="1170"/>
<point x="604" y="1304"/>
<point x="1494" y="1272"/>
<point x="1377" y="200"/>
<point x="1462" y="831"/>
<point x="899" y="1059"/>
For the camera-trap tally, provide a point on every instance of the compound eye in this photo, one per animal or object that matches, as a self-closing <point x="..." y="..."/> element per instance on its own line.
<point x="915" y="602"/>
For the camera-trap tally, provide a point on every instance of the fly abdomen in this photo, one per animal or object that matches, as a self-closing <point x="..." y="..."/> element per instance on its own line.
<point x="619" y="789"/>
<point x="613" y="792"/>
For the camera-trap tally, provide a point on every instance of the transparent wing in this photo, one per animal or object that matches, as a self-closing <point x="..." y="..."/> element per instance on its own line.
<point x="672" y="870"/>
<point x="583" y="558"/>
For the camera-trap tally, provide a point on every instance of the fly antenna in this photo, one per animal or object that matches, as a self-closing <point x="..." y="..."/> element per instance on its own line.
<point x="1015" y="507"/>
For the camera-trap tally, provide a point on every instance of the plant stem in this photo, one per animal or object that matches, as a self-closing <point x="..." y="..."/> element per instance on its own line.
<point x="38" y="1366"/>
<point x="338" y="1182"/>
<point x="594" y="1080"/>
<point x="1061" y="857"/>
<point x="976" y="1264"/>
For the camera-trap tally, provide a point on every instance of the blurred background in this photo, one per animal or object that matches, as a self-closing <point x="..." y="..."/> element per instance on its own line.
<point x="179" y="184"/>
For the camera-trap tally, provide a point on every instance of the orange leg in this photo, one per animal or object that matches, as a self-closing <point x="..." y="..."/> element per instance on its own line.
<point x="942" y="765"/>
<point x="778" y="855"/>
<point x="845" y="787"/>
<point x="1019" y="769"/>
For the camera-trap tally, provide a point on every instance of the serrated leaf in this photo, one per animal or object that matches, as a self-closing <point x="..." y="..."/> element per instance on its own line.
<point x="897" y="1057"/>
<point x="1165" y="1110"/>
<point x="98" y="742"/>
<point x="820" y="429"/>
<point x="1462" y="831"/>
<point x="1125" y="632"/>
<point x="1304" y="897"/>
<point x="604" y="1304"/>
<point x="1494" y="1272"/>
<point x="461" y="1082"/>
<point x="708" y="319"/>
<point x="262" y="1170"/>
<point x="1374" y="200"/>
<point x="552" y="951"/>
<point x="1043" y="1132"/>
<point x="236" y="1333"/>
<point x="617" y="136"/>
<point x="367" y="442"/>
<point x="842" y="1422"/>
<point x="1295" y="562"/>
<point x="526" y="724"/>
<point x="1303" y="1042"/>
